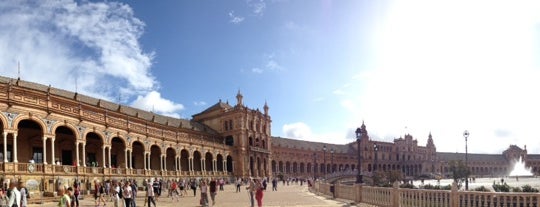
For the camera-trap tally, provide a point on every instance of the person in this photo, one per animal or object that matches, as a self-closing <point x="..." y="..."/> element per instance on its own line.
<point x="174" y="190"/>
<point x="134" y="187"/>
<point x="99" y="193"/>
<point x="65" y="200"/>
<point x="127" y="193"/>
<point x="258" y="192"/>
<point x="251" y="190"/>
<point x="213" y="190"/>
<point x="194" y="187"/>
<point x="24" y="195"/>
<point x="76" y="193"/>
<point x="155" y="185"/>
<point x="150" y="194"/>
<point x="238" y="183"/>
<point x="221" y="183"/>
<point x="204" y="193"/>
<point x="274" y="184"/>
<point x="115" y="190"/>
<point x="14" y="195"/>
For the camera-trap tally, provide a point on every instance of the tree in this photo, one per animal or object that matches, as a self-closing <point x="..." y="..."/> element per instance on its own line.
<point x="459" y="172"/>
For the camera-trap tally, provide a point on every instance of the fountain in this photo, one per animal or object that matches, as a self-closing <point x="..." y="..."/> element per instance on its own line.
<point x="520" y="170"/>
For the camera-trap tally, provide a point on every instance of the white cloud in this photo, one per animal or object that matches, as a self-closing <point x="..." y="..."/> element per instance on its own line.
<point x="65" y="43"/>
<point x="199" y="103"/>
<point x="270" y="65"/>
<point x="235" y="19"/>
<point x="257" y="70"/>
<point x="153" y="101"/>
<point x="257" y="6"/>
<point x="297" y="130"/>
<point x="443" y="73"/>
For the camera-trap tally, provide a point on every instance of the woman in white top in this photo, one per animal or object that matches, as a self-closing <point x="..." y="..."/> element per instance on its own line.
<point x="114" y="195"/>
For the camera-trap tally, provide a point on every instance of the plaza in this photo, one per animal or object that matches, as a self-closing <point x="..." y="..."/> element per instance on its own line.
<point x="287" y="195"/>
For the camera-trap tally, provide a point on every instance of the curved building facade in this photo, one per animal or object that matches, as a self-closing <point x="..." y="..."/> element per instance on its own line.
<point x="51" y="137"/>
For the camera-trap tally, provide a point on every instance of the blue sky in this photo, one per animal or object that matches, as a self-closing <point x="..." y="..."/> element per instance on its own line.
<point x="323" y="66"/>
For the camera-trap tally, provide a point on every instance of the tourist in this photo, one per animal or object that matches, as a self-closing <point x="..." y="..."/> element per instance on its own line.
<point x="251" y="190"/>
<point x="24" y="195"/>
<point x="76" y="193"/>
<point x="155" y="185"/>
<point x="127" y="193"/>
<point x="194" y="187"/>
<point x="115" y="190"/>
<point x="213" y="191"/>
<point x="65" y="200"/>
<point x="221" y="183"/>
<point x="238" y="184"/>
<point x="274" y="184"/>
<point x="204" y="193"/>
<point x="150" y="194"/>
<point x="258" y="192"/>
<point x="99" y="193"/>
<point x="133" y="185"/>
<point x="14" y="195"/>
<point x="174" y="190"/>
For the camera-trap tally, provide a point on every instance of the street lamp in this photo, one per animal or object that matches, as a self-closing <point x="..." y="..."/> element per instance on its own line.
<point x="466" y="135"/>
<point x="332" y="161"/>
<point x="324" y="160"/>
<point x="358" y="168"/>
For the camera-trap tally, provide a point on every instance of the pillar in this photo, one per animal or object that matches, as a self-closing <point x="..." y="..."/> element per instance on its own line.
<point x="126" y="158"/>
<point x="44" y="150"/>
<point x="15" y="148"/>
<point x="110" y="162"/>
<point x="224" y="165"/>
<point x="203" y="165"/>
<point x="103" y="156"/>
<point x="190" y="164"/>
<point x="144" y="158"/>
<point x="84" y="154"/>
<point x="52" y="150"/>
<point x="148" y="157"/>
<point x="5" y="147"/>
<point x="130" y="159"/>
<point x="161" y="163"/>
<point x="77" y="153"/>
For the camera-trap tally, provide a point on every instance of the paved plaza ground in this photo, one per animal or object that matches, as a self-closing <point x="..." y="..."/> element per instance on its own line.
<point x="292" y="195"/>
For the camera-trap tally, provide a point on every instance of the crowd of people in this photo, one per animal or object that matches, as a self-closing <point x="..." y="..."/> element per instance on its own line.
<point x="16" y="195"/>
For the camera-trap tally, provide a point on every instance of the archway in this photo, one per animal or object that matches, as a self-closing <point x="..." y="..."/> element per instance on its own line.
<point x="197" y="161"/>
<point x="118" y="152"/>
<point x="170" y="162"/>
<point x="94" y="150"/>
<point x="184" y="160"/>
<point x="155" y="157"/>
<point x="229" y="164"/>
<point x="208" y="166"/>
<point x="274" y="166"/>
<point x="137" y="156"/>
<point x="64" y="145"/>
<point x="29" y="142"/>
<point x="219" y="162"/>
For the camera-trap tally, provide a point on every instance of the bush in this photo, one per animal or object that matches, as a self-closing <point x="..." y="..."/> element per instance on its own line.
<point x="529" y="189"/>
<point x="482" y="189"/>
<point x="516" y="189"/>
<point x="407" y="185"/>
<point x="437" y="187"/>
<point x="501" y="187"/>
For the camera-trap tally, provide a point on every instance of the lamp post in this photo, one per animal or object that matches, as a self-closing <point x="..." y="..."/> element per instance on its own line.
<point x="314" y="165"/>
<point x="358" y="168"/>
<point x="466" y="135"/>
<point x="324" y="160"/>
<point x="332" y="161"/>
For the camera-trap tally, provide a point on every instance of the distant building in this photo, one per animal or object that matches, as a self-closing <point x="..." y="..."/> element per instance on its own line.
<point x="69" y="136"/>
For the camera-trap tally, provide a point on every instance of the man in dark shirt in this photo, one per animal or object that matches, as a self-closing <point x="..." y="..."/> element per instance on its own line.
<point x="155" y="185"/>
<point x="213" y="190"/>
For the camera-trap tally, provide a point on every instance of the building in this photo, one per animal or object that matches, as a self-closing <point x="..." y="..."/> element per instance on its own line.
<point x="52" y="137"/>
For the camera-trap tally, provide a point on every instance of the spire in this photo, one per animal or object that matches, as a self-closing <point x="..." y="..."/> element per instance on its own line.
<point x="430" y="141"/>
<point x="239" y="98"/>
<point x="266" y="108"/>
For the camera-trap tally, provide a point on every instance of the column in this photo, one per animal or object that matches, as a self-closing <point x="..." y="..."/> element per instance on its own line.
<point x="214" y="162"/>
<point x="110" y="162"/>
<point x="190" y="164"/>
<point x="130" y="159"/>
<point x="148" y="157"/>
<point x="5" y="147"/>
<point x="103" y="156"/>
<point x="144" y="158"/>
<point x="44" y="150"/>
<point x="77" y="153"/>
<point x="161" y="162"/>
<point x="164" y="162"/>
<point x="126" y="158"/>
<point x="15" y="148"/>
<point x="176" y="163"/>
<point x="203" y="163"/>
<point x="52" y="150"/>
<point x="84" y="154"/>
<point x="224" y="165"/>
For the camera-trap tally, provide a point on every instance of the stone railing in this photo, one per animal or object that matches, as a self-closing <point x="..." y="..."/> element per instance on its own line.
<point x="403" y="197"/>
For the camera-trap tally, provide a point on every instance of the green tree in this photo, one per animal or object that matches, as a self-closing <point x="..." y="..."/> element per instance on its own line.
<point x="459" y="172"/>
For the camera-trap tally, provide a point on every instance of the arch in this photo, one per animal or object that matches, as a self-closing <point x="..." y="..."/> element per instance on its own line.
<point x="281" y="170"/>
<point x="118" y="155"/>
<point x="219" y="160"/>
<point x="137" y="155"/>
<point x="29" y="142"/>
<point x="20" y="118"/>
<point x="184" y="160"/>
<point x="287" y="167"/>
<point x="302" y="170"/>
<point x="64" y="144"/>
<point x="294" y="167"/>
<point x="250" y="141"/>
<point x="155" y="157"/>
<point x="229" y="163"/>
<point x="274" y="166"/>
<point x="4" y="122"/>
<point x="197" y="161"/>
<point x="170" y="156"/>
<point x="251" y="166"/>
<point x="308" y="168"/>
<point x="208" y="160"/>
<point x="69" y="126"/>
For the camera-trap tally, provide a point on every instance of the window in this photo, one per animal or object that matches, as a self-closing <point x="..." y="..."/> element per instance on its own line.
<point x="225" y="126"/>
<point x="9" y="149"/>
<point x="37" y="155"/>
<point x="230" y="125"/>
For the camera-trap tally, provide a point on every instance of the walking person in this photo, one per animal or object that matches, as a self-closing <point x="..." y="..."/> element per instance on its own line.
<point x="259" y="192"/>
<point x="213" y="190"/>
<point x="174" y="191"/>
<point x="204" y="193"/>
<point x="76" y="193"/>
<point x="238" y="184"/>
<point x="194" y="187"/>
<point x="127" y="193"/>
<point x="251" y="190"/>
<point x="24" y="195"/>
<point x="115" y="190"/>
<point x="150" y="194"/>
<point x="133" y="185"/>
<point x="14" y="195"/>
<point x="274" y="184"/>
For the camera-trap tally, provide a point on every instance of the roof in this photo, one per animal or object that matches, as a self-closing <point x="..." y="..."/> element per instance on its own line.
<point x="218" y="106"/>
<point x="448" y="156"/>
<point x="307" y="145"/>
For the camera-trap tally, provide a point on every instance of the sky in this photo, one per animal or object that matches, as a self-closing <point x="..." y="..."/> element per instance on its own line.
<point x="324" y="67"/>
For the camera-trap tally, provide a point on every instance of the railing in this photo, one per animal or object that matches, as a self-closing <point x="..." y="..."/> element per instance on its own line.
<point x="402" y="197"/>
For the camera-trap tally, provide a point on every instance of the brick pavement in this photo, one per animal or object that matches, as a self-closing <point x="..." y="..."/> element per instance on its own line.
<point x="292" y="195"/>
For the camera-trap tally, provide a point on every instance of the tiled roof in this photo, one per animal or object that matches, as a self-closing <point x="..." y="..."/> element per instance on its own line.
<point x="307" y="145"/>
<point x="218" y="106"/>
<point x="448" y="156"/>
